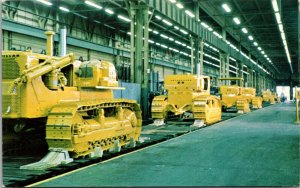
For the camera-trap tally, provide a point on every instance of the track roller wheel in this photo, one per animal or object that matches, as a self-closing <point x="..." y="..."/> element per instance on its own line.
<point x="98" y="152"/>
<point x="116" y="148"/>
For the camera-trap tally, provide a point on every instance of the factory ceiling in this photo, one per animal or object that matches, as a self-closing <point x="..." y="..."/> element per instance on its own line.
<point x="258" y="18"/>
<point x="250" y="25"/>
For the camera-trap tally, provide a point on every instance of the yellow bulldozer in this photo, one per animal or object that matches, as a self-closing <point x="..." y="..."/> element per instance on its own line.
<point x="233" y="95"/>
<point x="74" y="99"/>
<point x="187" y="93"/>
<point x="268" y="97"/>
<point x="250" y="94"/>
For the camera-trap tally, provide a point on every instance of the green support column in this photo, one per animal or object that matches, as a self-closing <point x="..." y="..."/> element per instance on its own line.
<point x="250" y="77"/>
<point x="264" y="82"/>
<point x="198" y="64"/>
<point x="196" y="55"/>
<point x="254" y="79"/>
<point x="140" y="51"/>
<point x="258" y="88"/>
<point x="192" y="55"/>
<point x="224" y="65"/>
<point x="240" y="68"/>
<point x="237" y="68"/>
<point x="201" y="43"/>
<point x="223" y="34"/>
<point x="132" y="44"/>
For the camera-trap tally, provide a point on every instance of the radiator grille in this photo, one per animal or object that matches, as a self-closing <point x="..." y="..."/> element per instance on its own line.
<point x="11" y="102"/>
<point x="10" y="68"/>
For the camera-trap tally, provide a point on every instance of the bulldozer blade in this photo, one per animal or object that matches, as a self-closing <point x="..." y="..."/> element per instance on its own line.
<point x="54" y="157"/>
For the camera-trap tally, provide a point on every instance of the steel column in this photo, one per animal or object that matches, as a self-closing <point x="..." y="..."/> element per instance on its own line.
<point x="201" y="43"/>
<point x="240" y="69"/>
<point x="139" y="50"/>
<point x="224" y="65"/>
<point x="250" y="77"/>
<point x="192" y="55"/>
<point x="258" y="88"/>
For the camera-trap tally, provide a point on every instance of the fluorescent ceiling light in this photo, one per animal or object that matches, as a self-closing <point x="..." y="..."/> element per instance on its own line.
<point x="280" y="28"/>
<point x="155" y="32"/>
<point x="164" y="46"/>
<point x="217" y="34"/>
<point x="250" y="37"/>
<point x="262" y="52"/>
<point x="97" y="21"/>
<point x="164" y="36"/>
<point x="171" y="39"/>
<point x="210" y="29"/>
<point x="151" y="41"/>
<point x="179" y="5"/>
<point x="283" y="36"/>
<point x="158" y="17"/>
<point x="176" y="27"/>
<point x="232" y="59"/>
<point x="183" y="31"/>
<point x="124" y="18"/>
<point x="226" y="7"/>
<point x="189" y="13"/>
<point x="128" y="33"/>
<point x="278" y="18"/>
<point x="259" y="48"/>
<point x="172" y="1"/>
<point x="245" y="30"/>
<point x="204" y="24"/>
<point x="44" y="2"/>
<point x="109" y="11"/>
<point x="255" y="43"/>
<point x="177" y="42"/>
<point x="275" y="5"/>
<point x="167" y="22"/>
<point x="93" y="4"/>
<point x="236" y="20"/>
<point x="265" y="55"/>
<point x="149" y="12"/>
<point x="64" y="9"/>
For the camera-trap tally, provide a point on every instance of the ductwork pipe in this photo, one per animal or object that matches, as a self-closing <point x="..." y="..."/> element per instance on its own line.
<point x="63" y="41"/>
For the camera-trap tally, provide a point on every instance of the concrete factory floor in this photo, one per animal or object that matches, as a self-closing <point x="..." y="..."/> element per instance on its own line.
<point x="256" y="149"/>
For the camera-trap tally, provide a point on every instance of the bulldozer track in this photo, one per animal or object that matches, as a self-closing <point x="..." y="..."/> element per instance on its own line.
<point x="15" y="177"/>
<point x="60" y="124"/>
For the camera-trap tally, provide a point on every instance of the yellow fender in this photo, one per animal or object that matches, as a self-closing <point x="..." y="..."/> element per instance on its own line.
<point x="159" y="107"/>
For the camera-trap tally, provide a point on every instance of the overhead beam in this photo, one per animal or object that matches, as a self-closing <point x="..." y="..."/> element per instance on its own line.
<point x="39" y="33"/>
<point x="196" y="29"/>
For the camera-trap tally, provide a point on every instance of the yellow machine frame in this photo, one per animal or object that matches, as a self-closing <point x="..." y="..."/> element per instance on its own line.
<point x="233" y="95"/>
<point x="250" y="94"/>
<point x="75" y="99"/>
<point x="187" y="93"/>
<point x="268" y="97"/>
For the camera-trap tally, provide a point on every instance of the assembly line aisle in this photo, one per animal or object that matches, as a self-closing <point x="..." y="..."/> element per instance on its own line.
<point x="257" y="149"/>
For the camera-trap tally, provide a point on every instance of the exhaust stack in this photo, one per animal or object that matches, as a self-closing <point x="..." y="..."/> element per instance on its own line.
<point x="49" y="50"/>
